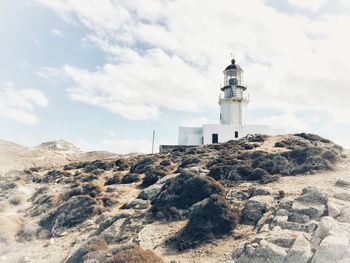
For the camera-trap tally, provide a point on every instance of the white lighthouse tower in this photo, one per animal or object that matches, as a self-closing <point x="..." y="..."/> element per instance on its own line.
<point x="233" y="102"/>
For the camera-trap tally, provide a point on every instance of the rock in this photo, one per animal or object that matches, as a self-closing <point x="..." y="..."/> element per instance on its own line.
<point x="328" y="226"/>
<point x="254" y="191"/>
<point x="311" y="195"/>
<point x="333" y="211"/>
<point x="23" y="260"/>
<point x="282" y="212"/>
<point x="331" y="249"/>
<point x="342" y="183"/>
<point x="255" y="208"/>
<point x="262" y="252"/>
<point x="300" y="251"/>
<point x="154" y="234"/>
<point x="70" y="213"/>
<point x="344" y="215"/>
<point x="8" y="186"/>
<point x="150" y="192"/>
<point x="122" y="230"/>
<point x="281" y="237"/>
<point x="311" y="203"/>
<point x="137" y="204"/>
<point x="345" y="196"/>
<point x="298" y="217"/>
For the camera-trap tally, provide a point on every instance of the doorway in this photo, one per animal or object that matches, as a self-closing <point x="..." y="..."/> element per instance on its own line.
<point x="215" y="138"/>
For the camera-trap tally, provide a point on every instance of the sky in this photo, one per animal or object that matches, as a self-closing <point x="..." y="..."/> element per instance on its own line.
<point x="104" y="74"/>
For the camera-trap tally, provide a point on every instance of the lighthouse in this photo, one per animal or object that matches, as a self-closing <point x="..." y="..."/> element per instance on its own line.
<point x="233" y="102"/>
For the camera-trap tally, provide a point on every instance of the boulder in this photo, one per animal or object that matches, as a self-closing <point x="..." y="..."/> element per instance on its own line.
<point x="331" y="249"/>
<point x="311" y="204"/>
<point x="137" y="204"/>
<point x="300" y="252"/>
<point x="333" y="210"/>
<point x="150" y="192"/>
<point x="345" y="196"/>
<point x="254" y="191"/>
<point x="262" y="252"/>
<point x="342" y="183"/>
<point x="327" y="226"/>
<point x="311" y="195"/>
<point x="344" y="215"/>
<point x="255" y="208"/>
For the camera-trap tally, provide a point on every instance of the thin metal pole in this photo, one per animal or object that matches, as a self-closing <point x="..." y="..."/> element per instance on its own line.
<point x="154" y="132"/>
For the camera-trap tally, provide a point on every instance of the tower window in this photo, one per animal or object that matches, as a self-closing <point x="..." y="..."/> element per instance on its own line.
<point x="236" y="134"/>
<point x="215" y="138"/>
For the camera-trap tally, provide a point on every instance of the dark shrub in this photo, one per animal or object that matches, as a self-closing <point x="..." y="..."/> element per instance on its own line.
<point x="269" y="178"/>
<point x="182" y="192"/>
<point x="189" y="161"/>
<point x="212" y="218"/>
<point x="131" y="178"/>
<point x="313" y="137"/>
<point x="70" y="213"/>
<point x="54" y="176"/>
<point x="152" y="177"/>
<point x="135" y="254"/>
<point x="258" y="174"/>
<point x="98" y="164"/>
<point x="113" y="179"/>
<point x="121" y="165"/>
<point x="142" y="166"/>
<point x="93" y="244"/>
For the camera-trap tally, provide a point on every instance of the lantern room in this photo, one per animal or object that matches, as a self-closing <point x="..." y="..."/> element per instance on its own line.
<point x="233" y="75"/>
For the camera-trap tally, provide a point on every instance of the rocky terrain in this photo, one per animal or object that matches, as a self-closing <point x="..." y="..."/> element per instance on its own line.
<point x="259" y="199"/>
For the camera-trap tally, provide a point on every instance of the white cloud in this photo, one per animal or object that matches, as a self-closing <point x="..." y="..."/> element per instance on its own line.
<point x="56" y="32"/>
<point x="19" y="104"/>
<point x="312" y="5"/>
<point x="170" y="54"/>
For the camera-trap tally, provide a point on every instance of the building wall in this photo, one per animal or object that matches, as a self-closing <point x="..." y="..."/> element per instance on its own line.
<point x="232" y="112"/>
<point x="190" y="135"/>
<point x="226" y="132"/>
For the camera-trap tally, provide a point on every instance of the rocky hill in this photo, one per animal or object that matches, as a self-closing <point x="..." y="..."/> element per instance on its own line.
<point x="49" y="154"/>
<point x="258" y="199"/>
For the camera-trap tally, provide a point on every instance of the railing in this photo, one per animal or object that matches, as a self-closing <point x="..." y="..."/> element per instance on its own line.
<point x="234" y="96"/>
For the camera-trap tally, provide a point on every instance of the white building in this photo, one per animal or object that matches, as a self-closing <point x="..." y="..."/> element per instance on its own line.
<point x="233" y="104"/>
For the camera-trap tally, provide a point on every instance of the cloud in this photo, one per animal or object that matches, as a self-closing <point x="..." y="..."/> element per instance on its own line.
<point x="19" y="104"/>
<point x="56" y="32"/>
<point x="169" y="54"/>
<point x="311" y="5"/>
